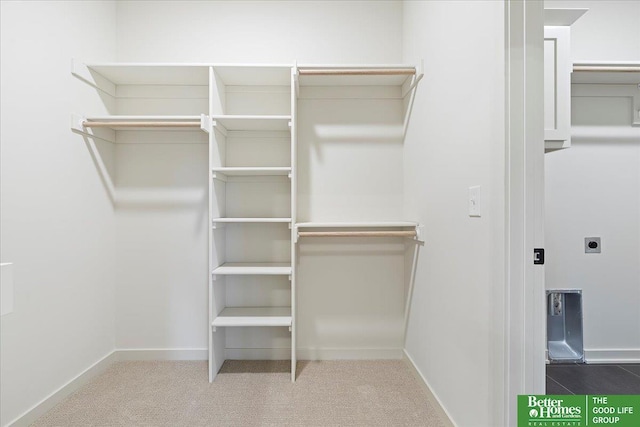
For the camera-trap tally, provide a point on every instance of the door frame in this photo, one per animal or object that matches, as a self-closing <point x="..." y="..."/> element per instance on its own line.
<point x="524" y="315"/>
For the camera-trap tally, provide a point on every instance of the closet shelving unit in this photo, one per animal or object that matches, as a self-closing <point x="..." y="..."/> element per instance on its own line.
<point x="250" y="115"/>
<point x="252" y="163"/>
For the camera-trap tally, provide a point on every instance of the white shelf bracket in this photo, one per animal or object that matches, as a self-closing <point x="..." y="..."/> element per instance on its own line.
<point x="84" y="73"/>
<point x="636" y="108"/>
<point x="289" y="328"/>
<point x="217" y="126"/>
<point x="420" y="233"/>
<point x="412" y="89"/>
<point x="219" y="176"/>
<point x="295" y="235"/>
<point x="77" y="126"/>
<point x="213" y="329"/>
<point x="206" y="123"/>
<point x="289" y="277"/>
<point x="296" y="79"/>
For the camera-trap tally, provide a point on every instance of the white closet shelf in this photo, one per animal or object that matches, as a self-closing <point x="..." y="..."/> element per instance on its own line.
<point x="376" y="224"/>
<point x="606" y="72"/>
<point x="360" y="229"/>
<point x="143" y="122"/>
<point x="153" y="73"/>
<point x="253" y="269"/>
<point x="356" y="75"/>
<point x="253" y="316"/>
<point x="252" y="123"/>
<point x="251" y="220"/>
<point x="252" y="171"/>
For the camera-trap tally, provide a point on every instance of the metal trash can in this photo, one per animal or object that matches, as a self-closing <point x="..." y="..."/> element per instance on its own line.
<point x="564" y="326"/>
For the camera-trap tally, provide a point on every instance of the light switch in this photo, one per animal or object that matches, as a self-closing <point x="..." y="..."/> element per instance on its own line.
<point x="474" y="201"/>
<point x="6" y="288"/>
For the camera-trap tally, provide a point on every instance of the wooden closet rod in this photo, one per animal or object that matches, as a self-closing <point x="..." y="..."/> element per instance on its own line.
<point x="146" y="124"/>
<point x="608" y="68"/>
<point x="411" y="233"/>
<point x="357" y="72"/>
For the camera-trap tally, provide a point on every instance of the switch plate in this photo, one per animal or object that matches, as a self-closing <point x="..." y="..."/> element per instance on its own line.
<point x="592" y="245"/>
<point x="474" y="201"/>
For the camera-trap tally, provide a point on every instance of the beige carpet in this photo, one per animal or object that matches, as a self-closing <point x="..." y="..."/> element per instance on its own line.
<point x="248" y="393"/>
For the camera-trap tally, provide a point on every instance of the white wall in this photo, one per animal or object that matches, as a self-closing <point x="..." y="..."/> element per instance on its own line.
<point x="260" y="31"/>
<point x="162" y="289"/>
<point x="456" y="140"/>
<point x="593" y="189"/>
<point x="57" y="218"/>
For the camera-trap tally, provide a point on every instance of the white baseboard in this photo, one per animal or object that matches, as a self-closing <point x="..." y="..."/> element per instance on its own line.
<point x="42" y="407"/>
<point x="614" y="355"/>
<point x="433" y="399"/>
<point x="162" y="354"/>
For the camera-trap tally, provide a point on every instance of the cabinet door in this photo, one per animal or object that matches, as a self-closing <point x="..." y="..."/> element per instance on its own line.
<point x="557" y="88"/>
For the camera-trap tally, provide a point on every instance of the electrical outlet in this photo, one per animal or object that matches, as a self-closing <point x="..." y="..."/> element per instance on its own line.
<point x="592" y="245"/>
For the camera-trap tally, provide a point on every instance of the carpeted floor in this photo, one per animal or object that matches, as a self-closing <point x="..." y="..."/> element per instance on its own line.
<point x="249" y="393"/>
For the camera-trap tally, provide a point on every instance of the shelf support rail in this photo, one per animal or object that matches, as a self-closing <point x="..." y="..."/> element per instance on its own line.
<point x="402" y="233"/>
<point x="417" y="234"/>
<point x="145" y="124"/>
<point x="601" y="68"/>
<point x="295" y="73"/>
<point x="104" y="129"/>
<point x="355" y="71"/>
<point x="412" y="90"/>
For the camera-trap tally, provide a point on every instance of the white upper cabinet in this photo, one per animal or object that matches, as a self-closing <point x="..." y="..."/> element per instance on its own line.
<point x="557" y="77"/>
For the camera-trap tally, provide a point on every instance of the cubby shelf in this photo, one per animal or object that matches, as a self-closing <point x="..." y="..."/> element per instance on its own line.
<point x="252" y="123"/>
<point x="254" y="75"/>
<point x="253" y="269"/>
<point x="252" y="171"/>
<point x="250" y="220"/>
<point x="253" y="316"/>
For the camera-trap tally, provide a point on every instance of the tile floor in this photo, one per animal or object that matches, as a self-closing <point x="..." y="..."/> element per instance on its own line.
<point x="593" y="379"/>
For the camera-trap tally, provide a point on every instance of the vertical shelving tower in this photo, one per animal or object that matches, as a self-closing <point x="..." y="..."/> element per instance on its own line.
<point x="252" y="212"/>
